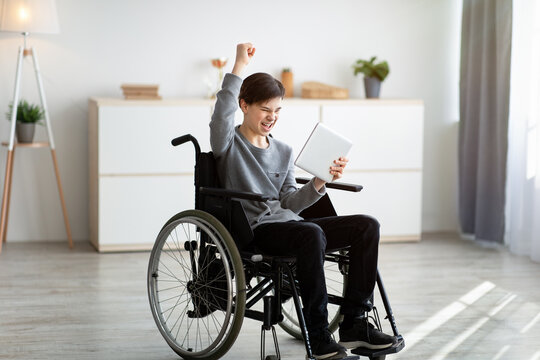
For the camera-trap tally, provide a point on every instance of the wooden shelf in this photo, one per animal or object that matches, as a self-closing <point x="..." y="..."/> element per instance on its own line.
<point x="28" y="145"/>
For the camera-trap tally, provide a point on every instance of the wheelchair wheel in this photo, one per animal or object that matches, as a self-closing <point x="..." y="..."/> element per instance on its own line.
<point x="336" y="282"/>
<point x="196" y="286"/>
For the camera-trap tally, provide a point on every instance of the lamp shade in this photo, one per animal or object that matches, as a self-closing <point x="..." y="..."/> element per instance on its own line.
<point x="32" y="16"/>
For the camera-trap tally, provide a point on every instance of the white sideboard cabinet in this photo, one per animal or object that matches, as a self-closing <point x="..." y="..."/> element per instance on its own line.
<point x="138" y="180"/>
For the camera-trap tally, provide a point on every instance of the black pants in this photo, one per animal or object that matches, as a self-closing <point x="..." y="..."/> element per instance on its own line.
<point x="308" y="240"/>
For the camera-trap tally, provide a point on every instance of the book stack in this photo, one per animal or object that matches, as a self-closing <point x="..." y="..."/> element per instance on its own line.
<point x="141" y="92"/>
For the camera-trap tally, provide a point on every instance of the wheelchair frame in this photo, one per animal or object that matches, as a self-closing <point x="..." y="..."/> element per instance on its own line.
<point x="221" y="230"/>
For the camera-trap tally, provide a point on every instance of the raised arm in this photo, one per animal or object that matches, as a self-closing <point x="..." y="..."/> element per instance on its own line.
<point x="244" y="53"/>
<point x="222" y="123"/>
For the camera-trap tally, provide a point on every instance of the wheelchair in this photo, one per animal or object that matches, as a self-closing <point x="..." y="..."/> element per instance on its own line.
<point x="204" y="277"/>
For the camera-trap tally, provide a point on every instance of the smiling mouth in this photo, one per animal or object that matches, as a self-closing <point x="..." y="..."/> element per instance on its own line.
<point x="268" y="125"/>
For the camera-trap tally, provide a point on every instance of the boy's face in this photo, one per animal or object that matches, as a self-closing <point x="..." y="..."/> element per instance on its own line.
<point x="261" y="117"/>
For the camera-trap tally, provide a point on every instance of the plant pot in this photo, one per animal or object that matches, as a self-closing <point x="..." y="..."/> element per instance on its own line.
<point x="25" y="132"/>
<point x="372" y="86"/>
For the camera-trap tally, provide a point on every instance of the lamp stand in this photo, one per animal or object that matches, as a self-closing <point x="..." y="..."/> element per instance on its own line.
<point x="24" y="51"/>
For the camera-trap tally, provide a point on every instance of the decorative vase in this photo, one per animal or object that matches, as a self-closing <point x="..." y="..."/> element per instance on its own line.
<point x="372" y="86"/>
<point x="218" y="63"/>
<point x="25" y="132"/>
<point x="287" y="81"/>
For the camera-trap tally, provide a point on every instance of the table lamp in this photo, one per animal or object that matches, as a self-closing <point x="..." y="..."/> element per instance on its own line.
<point x="25" y="17"/>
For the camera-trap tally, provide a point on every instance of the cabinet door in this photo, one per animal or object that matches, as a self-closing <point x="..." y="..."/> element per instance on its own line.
<point x="137" y="139"/>
<point x="393" y="198"/>
<point x="385" y="136"/>
<point x="133" y="209"/>
<point x="295" y="124"/>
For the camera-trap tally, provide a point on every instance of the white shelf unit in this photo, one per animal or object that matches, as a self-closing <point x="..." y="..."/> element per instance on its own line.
<point x="138" y="180"/>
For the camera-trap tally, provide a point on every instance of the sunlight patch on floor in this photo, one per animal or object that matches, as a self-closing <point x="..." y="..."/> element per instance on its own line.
<point x="452" y="345"/>
<point x="501" y="352"/>
<point x="530" y="324"/>
<point x="505" y="301"/>
<point x="447" y="313"/>
<point x="456" y="342"/>
<point x="536" y="356"/>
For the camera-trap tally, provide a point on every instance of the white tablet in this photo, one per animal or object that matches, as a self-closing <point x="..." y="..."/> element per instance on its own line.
<point x="322" y="147"/>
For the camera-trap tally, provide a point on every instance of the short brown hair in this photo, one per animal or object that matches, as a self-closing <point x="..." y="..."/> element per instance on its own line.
<point x="260" y="87"/>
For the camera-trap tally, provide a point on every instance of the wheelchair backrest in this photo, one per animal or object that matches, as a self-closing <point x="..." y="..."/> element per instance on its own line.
<point x="205" y="175"/>
<point x="229" y="212"/>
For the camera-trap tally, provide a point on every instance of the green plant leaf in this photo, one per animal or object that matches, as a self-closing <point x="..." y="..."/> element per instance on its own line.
<point x="382" y="70"/>
<point x="371" y="69"/>
<point x="27" y="113"/>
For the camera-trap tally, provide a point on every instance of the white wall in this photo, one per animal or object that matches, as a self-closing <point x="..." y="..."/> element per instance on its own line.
<point x="105" y="43"/>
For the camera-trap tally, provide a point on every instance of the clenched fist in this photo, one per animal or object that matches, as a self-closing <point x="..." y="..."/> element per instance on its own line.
<point x="244" y="53"/>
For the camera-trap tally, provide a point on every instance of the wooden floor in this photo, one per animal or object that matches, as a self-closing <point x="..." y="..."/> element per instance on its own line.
<point x="451" y="298"/>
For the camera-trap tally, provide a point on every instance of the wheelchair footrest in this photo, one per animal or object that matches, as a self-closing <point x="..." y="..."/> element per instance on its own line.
<point x="380" y="352"/>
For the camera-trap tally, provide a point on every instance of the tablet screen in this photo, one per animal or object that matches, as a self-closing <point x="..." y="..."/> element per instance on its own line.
<point x="322" y="147"/>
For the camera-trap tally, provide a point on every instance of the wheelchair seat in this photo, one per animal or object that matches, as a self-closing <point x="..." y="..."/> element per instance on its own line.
<point x="204" y="262"/>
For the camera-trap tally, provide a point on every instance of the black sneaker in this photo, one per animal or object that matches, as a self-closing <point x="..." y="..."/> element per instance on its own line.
<point x="325" y="347"/>
<point x="363" y="334"/>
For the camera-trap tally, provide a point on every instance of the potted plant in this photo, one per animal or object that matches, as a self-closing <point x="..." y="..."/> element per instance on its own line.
<point x="374" y="74"/>
<point x="28" y="115"/>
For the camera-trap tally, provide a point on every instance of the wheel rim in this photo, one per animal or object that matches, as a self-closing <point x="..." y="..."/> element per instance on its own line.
<point x="195" y="317"/>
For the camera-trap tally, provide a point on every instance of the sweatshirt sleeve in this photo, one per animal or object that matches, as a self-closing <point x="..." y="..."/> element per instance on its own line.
<point x="222" y="123"/>
<point x="298" y="199"/>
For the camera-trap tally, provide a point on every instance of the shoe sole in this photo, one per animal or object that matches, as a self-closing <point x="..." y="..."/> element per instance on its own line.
<point x="331" y="356"/>
<point x="362" y="344"/>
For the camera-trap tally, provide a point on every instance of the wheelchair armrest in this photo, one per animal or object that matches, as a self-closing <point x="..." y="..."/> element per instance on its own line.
<point x="334" y="185"/>
<point x="233" y="194"/>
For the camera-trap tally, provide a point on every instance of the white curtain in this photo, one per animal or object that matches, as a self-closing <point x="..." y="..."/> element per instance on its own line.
<point x="522" y="232"/>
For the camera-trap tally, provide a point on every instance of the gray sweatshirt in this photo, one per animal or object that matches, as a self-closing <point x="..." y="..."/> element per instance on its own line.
<point x="245" y="167"/>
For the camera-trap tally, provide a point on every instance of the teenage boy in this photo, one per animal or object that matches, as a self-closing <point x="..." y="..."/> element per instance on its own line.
<point x="248" y="159"/>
